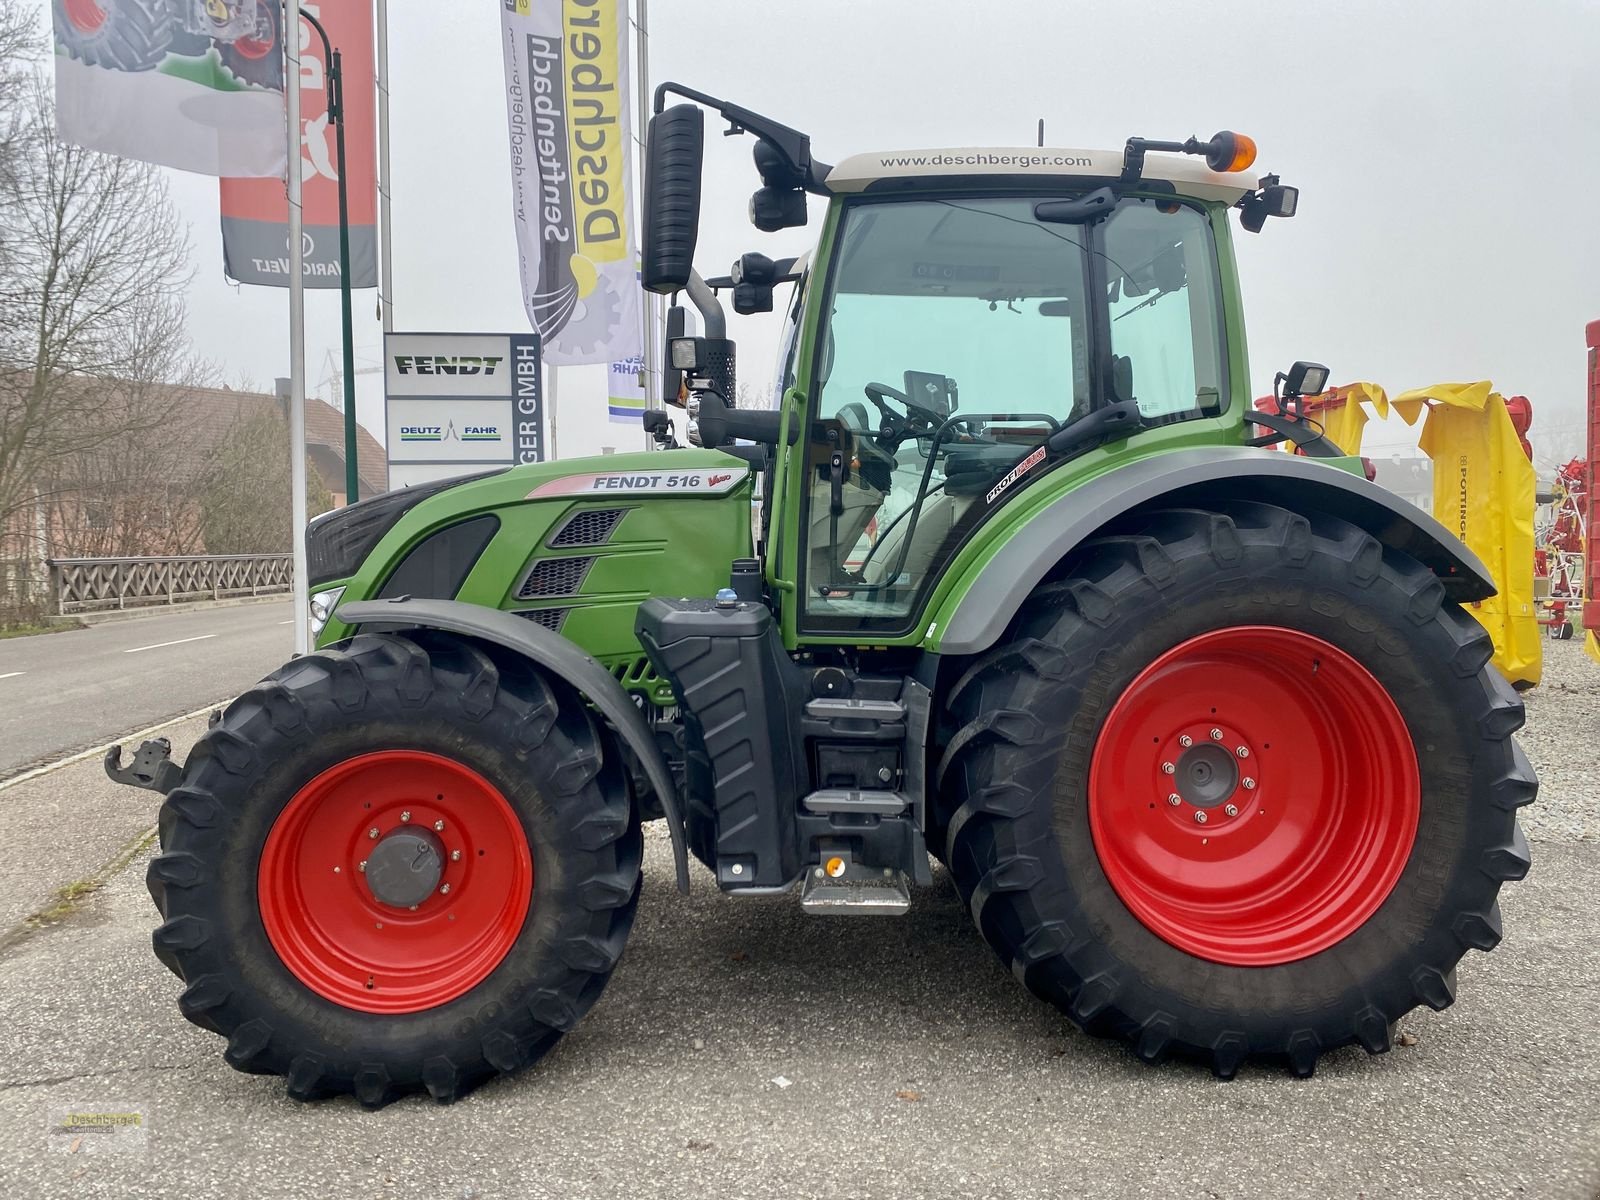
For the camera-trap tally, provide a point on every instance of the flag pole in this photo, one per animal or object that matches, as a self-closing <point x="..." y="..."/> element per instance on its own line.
<point x="551" y="374"/>
<point x="652" y="398"/>
<point x="297" y="330"/>
<point x="386" y="291"/>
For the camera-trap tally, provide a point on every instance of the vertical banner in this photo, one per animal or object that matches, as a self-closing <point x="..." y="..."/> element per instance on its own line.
<point x="459" y="402"/>
<point x="627" y="391"/>
<point x="198" y="87"/>
<point x="567" y="108"/>
<point x="255" y="212"/>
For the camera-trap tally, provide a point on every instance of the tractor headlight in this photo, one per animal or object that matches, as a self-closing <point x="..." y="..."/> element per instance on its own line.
<point x="322" y="605"/>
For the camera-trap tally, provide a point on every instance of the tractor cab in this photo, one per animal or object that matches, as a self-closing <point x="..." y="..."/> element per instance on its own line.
<point x="975" y="319"/>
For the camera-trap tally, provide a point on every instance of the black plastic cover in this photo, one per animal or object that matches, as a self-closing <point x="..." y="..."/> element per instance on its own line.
<point x="437" y="566"/>
<point x="736" y="689"/>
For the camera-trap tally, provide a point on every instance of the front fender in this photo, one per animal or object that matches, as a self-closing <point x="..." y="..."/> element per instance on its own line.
<point x="989" y="597"/>
<point x="562" y="658"/>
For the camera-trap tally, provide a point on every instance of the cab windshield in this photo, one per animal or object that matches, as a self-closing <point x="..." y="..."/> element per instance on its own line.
<point x="961" y="334"/>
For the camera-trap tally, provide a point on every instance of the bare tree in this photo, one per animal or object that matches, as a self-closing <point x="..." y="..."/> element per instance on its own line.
<point x="244" y="499"/>
<point x="93" y="265"/>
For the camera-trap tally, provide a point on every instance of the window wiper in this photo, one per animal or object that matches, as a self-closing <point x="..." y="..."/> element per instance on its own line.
<point x="1107" y="424"/>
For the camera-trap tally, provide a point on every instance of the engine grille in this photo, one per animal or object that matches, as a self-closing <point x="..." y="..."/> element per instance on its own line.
<point x="550" y="618"/>
<point x="592" y="527"/>
<point x="554" y="577"/>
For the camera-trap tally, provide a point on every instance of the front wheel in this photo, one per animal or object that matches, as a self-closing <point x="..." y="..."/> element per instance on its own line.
<point x="1240" y="784"/>
<point x="403" y="863"/>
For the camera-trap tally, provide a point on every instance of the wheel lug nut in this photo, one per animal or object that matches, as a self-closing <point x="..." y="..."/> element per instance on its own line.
<point x="438" y="826"/>
<point x="373" y="833"/>
<point x="1249" y="784"/>
<point x="1216" y="735"/>
<point x="1200" y="816"/>
<point x="1185" y="741"/>
<point x="1243" y="751"/>
<point x="1169" y="768"/>
<point x="455" y="856"/>
<point x="406" y="816"/>
<point x="1174" y="799"/>
<point x="444" y="889"/>
<point x="1232" y="810"/>
<point x="362" y="866"/>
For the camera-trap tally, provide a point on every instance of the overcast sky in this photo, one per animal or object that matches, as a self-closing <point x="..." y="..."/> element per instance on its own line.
<point x="1445" y="151"/>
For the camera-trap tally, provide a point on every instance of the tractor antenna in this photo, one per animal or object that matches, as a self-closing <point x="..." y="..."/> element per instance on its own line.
<point x="1041" y="131"/>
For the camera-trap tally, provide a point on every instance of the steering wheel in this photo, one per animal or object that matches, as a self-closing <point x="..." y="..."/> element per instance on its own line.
<point x="895" y="429"/>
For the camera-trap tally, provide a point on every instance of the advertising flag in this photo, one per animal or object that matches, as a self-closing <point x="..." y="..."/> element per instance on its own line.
<point x="571" y="147"/>
<point x="255" y="212"/>
<point x="627" y="391"/>
<point x="184" y="83"/>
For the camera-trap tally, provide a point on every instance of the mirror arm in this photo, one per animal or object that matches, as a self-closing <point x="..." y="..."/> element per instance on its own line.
<point x="705" y="300"/>
<point x="794" y="146"/>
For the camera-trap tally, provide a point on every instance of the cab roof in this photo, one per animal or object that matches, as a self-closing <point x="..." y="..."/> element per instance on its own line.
<point x="902" y="168"/>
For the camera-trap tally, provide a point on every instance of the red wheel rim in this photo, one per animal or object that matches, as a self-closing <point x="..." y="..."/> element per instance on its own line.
<point x="1290" y="806"/>
<point x="85" y="14"/>
<point x="249" y="47"/>
<point x="348" y="946"/>
<point x="262" y="44"/>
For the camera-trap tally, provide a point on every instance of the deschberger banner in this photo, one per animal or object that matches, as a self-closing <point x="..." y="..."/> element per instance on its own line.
<point x="194" y="86"/>
<point x="571" y="147"/>
<point x="255" y="212"/>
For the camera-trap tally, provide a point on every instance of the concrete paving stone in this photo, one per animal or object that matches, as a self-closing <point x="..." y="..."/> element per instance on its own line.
<point x="1499" y="1096"/>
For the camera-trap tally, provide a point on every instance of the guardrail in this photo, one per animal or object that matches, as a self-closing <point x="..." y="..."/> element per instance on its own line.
<point x="98" y="584"/>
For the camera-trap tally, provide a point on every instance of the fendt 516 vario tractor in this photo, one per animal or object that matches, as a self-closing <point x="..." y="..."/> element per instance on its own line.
<point x="1200" y="728"/>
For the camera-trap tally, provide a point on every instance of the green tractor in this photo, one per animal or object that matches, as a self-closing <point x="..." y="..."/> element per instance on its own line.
<point x="1012" y="577"/>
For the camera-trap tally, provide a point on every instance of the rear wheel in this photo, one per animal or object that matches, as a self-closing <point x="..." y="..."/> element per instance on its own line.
<point x="125" y="35"/>
<point x="405" y="863"/>
<point x="1241" y="784"/>
<point x="258" y="58"/>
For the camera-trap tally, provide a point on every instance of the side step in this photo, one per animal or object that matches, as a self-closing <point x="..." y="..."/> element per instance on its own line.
<point x="845" y="800"/>
<point x="859" y="892"/>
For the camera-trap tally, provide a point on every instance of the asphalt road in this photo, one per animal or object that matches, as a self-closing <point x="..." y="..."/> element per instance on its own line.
<point x="61" y="692"/>
<point x="744" y="1049"/>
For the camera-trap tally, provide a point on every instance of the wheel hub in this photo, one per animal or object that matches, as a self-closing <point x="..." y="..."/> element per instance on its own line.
<point x="1206" y="775"/>
<point x="405" y="867"/>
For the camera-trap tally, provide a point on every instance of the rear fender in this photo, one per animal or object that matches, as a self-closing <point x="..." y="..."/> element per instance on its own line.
<point x="563" y="659"/>
<point x="988" y="599"/>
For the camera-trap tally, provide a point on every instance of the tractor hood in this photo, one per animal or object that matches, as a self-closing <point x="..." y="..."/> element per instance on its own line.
<point x="574" y="545"/>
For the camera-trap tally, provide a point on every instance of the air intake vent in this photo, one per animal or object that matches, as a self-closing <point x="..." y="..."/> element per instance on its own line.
<point x="550" y="618"/>
<point x="554" y="577"/>
<point x="592" y="527"/>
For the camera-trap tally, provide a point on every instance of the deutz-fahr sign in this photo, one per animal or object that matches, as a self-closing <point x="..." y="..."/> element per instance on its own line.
<point x="458" y="402"/>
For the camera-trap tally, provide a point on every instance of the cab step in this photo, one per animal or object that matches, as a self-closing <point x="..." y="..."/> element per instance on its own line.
<point x="861" y="803"/>
<point x="859" y="892"/>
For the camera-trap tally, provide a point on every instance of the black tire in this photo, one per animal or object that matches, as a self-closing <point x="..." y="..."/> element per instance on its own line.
<point x="533" y="740"/>
<point x="133" y="35"/>
<point x="1013" y="785"/>
<point x="262" y="70"/>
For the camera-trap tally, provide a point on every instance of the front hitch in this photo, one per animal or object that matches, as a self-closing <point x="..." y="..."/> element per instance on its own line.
<point x="151" y="766"/>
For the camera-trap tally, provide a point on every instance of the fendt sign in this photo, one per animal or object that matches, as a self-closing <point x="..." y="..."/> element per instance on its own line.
<point x="459" y="402"/>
